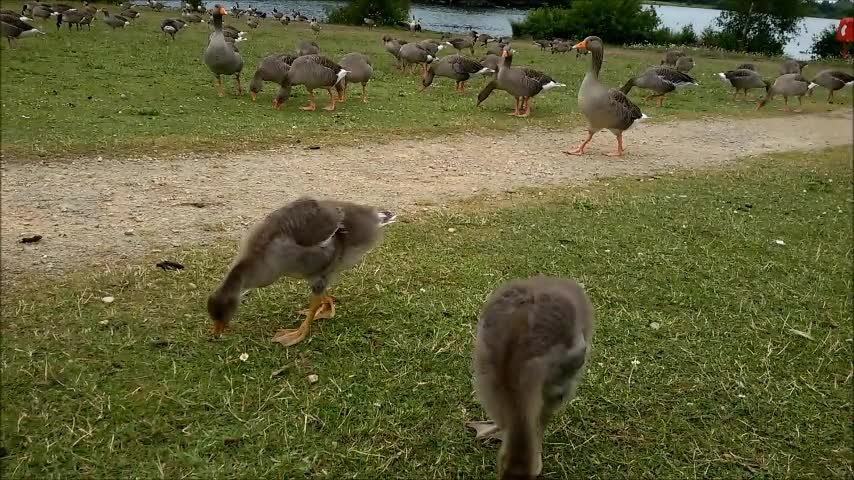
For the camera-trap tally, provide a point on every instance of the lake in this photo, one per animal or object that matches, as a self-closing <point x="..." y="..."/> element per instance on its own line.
<point x="496" y="21"/>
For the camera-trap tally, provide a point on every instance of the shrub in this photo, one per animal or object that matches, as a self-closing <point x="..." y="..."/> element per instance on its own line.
<point x="666" y="36"/>
<point x="712" y="38"/>
<point x="615" y="21"/>
<point x="384" y="12"/>
<point x="825" y="44"/>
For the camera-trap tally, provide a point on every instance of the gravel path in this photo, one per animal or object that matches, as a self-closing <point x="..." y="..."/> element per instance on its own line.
<point x="101" y="211"/>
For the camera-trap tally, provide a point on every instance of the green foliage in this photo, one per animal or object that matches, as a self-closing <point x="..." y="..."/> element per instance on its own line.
<point x="667" y="36"/>
<point x="384" y="12"/>
<point x="761" y="26"/>
<point x="712" y="38"/>
<point x="615" y="21"/>
<point x="838" y="9"/>
<point x="825" y="44"/>
<point x="193" y="3"/>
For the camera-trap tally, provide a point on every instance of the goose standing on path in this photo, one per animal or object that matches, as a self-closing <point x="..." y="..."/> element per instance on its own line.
<point x="521" y="83"/>
<point x="604" y="108"/>
<point x="833" y="80"/>
<point x="744" y="79"/>
<point x="456" y="67"/>
<point x="307" y="238"/>
<point x="316" y="71"/>
<point x="534" y="339"/>
<point x="359" y="70"/>
<point x="220" y="57"/>
<point x="788" y="85"/>
<point x="661" y="81"/>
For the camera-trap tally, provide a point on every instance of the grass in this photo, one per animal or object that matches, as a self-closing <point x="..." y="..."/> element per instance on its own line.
<point x="724" y="387"/>
<point x="133" y="92"/>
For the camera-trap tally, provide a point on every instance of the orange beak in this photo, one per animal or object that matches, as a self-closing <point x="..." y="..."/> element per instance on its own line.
<point x="504" y="54"/>
<point x="581" y="44"/>
<point x="222" y="11"/>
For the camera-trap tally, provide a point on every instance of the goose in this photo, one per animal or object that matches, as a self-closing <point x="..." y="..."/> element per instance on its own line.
<point x="316" y="71"/>
<point x="15" y="14"/>
<point x="369" y="22"/>
<point x="115" y="21"/>
<point x="684" y="64"/>
<point x="392" y="46"/>
<point x="413" y="54"/>
<point x="744" y="79"/>
<point x="252" y="23"/>
<point x="156" y="6"/>
<point x="73" y="16"/>
<point x="491" y="61"/>
<point x="543" y="44"/>
<point x="483" y="39"/>
<point x="359" y="70"/>
<point x="456" y="67"/>
<point x="661" y="80"/>
<point x="90" y="9"/>
<point x="603" y="107"/>
<point x="746" y="66"/>
<point x="307" y="238"/>
<point x="193" y="17"/>
<point x="61" y="7"/>
<point x="277" y="14"/>
<point x="130" y="13"/>
<point x="42" y="11"/>
<point x="315" y="27"/>
<point x="521" y="83"/>
<point x="788" y="85"/>
<point x="306" y="47"/>
<point x="671" y="57"/>
<point x="533" y="342"/>
<point x="273" y="68"/>
<point x="220" y="57"/>
<point x="495" y="48"/>
<point x="13" y="28"/>
<point x="461" y="43"/>
<point x="833" y="80"/>
<point x="171" y="26"/>
<point x="792" y="66"/>
<point x="560" y="47"/>
<point x="235" y="35"/>
<point x="431" y="46"/>
<point x="285" y="21"/>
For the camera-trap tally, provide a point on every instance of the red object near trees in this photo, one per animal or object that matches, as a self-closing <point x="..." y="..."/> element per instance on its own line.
<point x="845" y="34"/>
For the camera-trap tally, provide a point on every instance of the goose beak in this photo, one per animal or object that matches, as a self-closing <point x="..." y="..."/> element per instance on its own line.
<point x="222" y="11"/>
<point x="581" y="44"/>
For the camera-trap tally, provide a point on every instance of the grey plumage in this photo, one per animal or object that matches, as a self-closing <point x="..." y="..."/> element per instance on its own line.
<point x="359" y="70"/>
<point x="220" y="57"/>
<point x="273" y="68"/>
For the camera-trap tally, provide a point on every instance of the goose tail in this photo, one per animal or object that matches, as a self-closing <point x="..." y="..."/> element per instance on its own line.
<point x="341" y="75"/>
<point x="385" y="217"/>
<point x="812" y="85"/>
<point x="484" y="71"/>
<point x="553" y="84"/>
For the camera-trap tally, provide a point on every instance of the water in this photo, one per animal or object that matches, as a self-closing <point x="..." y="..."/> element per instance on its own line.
<point x="496" y="21"/>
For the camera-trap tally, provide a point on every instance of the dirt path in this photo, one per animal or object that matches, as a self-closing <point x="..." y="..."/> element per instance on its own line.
<point x="100" y="211"/>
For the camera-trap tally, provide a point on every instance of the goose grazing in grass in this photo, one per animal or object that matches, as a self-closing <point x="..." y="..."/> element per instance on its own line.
<point x="252" y="22"/>
<point x="315" y="27"/>
<point x="306" y="47"/>
<point x="744" y="79"/>
<point x="431" y="46"/>
<point x="392" y="46"/>
<point x="171" y="26"/>
<point x="833" y="80"/>
<point x="792" y="66"/>
<point x="604" y="108"/>
<point x="220" y="57"/>
<point x="455" y="67"/>
<point x="491" y="61"/>
<point x="13" y="28"/>
<point x="522" y="83"/>
<point x="74" y="17"/>
<point x="671" y="57"/>
<point x="560" y="47"/>
<point x="685" y="64"/>
<point x="661" y="81"/>
<point x="309" y="239"/>
<point x="463" y="43"/>
<point x="115" y="21"/>
<point x="42" y="11"/>
<point x="534" y="339"/>
<point x="746" y="66"/>
<point x="316" y="71"/>
<point x="156" y="6"/>
<point x="788" y="85"/>
<point x="413" y="54"/>
<point x="359" y="70"/>
<point x="369" y="22"/>
<point x="273" y="68"/>
<point x="543" y="44"/>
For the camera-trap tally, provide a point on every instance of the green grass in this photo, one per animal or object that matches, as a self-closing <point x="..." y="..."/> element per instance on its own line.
<point x="723" y="389"/>
<point x="134" y="92"/>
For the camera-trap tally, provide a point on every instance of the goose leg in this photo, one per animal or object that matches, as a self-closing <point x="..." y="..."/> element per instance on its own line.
<point x="786" y="108"/>
<point x="239" y="86"/>
<point x="331" y="105"/>
<point x="342" y="92"/>
<point x="364" y="93"/>
<point x="580" y="149"/>
<point x="619" y="152"/>
<point x="319" y="303"/>
<point x="515" y="112"/>
<point x="219" y="86"/>
<point x="830" y="97"/>
<point x="462" y="86"/>
<point x="661" y="100"/>
<point x="311" y="106"/>
<point x="800" y="105"/>
<point x="526" y="106"/>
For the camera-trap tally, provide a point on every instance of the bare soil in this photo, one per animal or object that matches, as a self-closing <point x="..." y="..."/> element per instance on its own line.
<point x="104" y="211"/>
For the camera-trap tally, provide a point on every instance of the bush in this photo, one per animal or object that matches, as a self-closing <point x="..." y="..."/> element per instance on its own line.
<point x="666" y="36"/>
<point x="711" y="38"/>
<point x="825" y="44"/>
<point x="384" y="12"/>
<point x="615" y="21"/>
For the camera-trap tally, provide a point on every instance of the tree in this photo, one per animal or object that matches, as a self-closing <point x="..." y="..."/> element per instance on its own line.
<point x="615" y="21"/>
<point x="383" y="12"/>
<point x="762" y="26"/>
